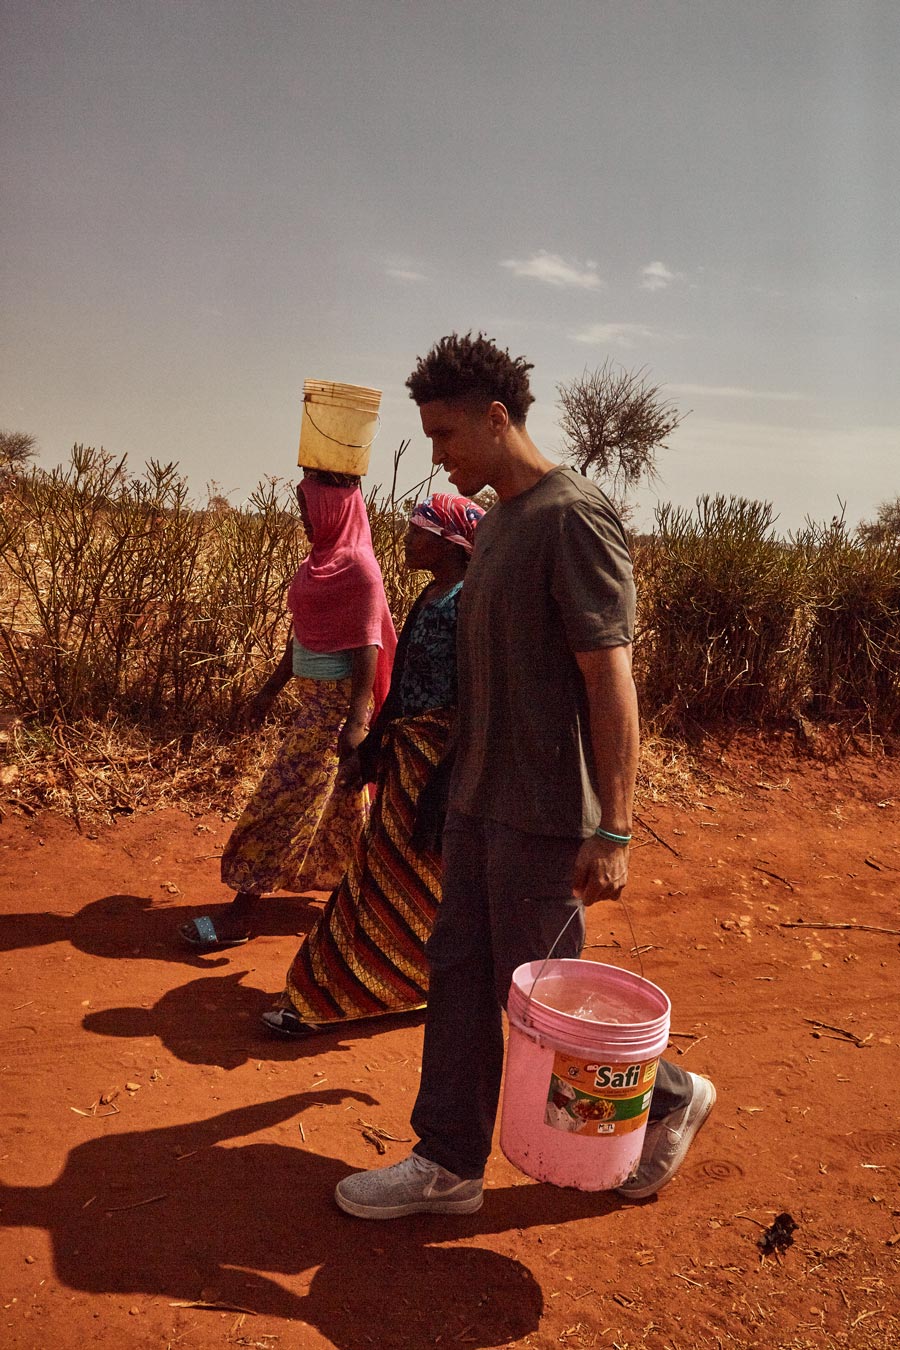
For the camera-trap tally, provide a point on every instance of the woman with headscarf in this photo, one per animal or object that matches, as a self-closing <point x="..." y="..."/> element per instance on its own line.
<point x="365" y="954"/>
<point x="298" y="830"/>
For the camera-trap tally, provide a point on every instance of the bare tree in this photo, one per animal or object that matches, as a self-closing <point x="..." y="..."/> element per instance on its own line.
<point x="886" y="525"/>
<point x="217" y="503"/>
<point x="614" y="422"/>
<point x="16" y="449"/>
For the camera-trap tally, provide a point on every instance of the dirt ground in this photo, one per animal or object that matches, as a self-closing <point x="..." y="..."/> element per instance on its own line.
<point x="167" y="1167"/>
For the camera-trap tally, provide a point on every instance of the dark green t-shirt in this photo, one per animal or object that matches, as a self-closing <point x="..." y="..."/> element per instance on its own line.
<point x="550" y="576"/>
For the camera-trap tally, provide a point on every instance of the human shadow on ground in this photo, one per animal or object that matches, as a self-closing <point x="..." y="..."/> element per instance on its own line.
<point x="182" y="1213"/>
<point x="133" y="927"/>
<point x="217" y="1020"/>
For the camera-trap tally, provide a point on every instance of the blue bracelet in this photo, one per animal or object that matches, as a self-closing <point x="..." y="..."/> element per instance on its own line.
<point x="623" y="840"/>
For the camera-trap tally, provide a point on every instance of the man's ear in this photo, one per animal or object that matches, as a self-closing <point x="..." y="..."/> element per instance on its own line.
<point x="498" y="417"/>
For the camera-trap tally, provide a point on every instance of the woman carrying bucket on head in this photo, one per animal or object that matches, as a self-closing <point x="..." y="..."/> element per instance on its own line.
<point x="299" y="828"/>
<point x="365" y="955"/>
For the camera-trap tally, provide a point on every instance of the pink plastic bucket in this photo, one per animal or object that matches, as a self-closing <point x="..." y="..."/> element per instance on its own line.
<point x="577" y="1089"/>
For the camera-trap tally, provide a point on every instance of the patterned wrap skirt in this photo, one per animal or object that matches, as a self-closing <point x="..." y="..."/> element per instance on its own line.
<point x="365" y="954"/>
<point x="298" y="831"/>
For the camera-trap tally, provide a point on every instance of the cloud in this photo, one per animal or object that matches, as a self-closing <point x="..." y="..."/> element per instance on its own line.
<point x="734" y="391"/>
<point x="613" y="334"/>
<point x="555" y="271"/>
<point x="405" y="274"/>
<point x="656" y="276"/>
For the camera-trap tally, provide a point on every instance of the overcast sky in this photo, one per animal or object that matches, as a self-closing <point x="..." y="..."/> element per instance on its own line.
<point x="207" y="202"/>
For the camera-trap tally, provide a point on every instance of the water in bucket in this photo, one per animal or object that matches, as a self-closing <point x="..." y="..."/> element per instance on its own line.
<point x="583" y="1052"/>
<point x="587" y="1002"/>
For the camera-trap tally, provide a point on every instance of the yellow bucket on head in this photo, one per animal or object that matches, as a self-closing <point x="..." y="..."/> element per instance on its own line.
<point x="338" y="425"/>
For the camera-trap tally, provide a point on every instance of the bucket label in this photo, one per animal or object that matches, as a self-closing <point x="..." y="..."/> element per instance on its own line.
<point x="588" y="1097"/>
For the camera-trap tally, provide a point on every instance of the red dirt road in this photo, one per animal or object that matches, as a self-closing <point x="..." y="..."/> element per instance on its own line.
<point x="205" y="1177"/>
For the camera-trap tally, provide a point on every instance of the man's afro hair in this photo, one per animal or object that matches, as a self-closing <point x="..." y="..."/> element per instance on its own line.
<point x="473" y="371"/>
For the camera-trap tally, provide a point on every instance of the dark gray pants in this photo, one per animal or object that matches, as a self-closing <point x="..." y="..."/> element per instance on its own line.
<point x="506" y="895"/>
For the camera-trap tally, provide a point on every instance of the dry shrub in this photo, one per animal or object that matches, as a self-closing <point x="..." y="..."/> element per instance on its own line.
<point x="389" y="512"/>
<point x="720" y="601"/>
<point x="739" y="626"/>
<point x="854" y="636"/>
<point x="134" y="624"/>
<point x="124" y="598"/>
<point x="120" y="597"/>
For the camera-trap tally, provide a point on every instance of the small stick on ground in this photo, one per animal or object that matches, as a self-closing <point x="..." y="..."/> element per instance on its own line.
<point x="151" y="1200"/>
<point x="695" y="1041"/>
<point x="372" y="1138"/>
<point x="693" y="1036"/>
<point x="221" y="1307"/>
<point x="695" y="1283"/>
<point x="870" y="1312"/>
<point x="658" y="837"/>
<point x="97" y="1115"/>
<point x="848" y="1035"/>
<point x="775" y="876"/>
<point x="383" y="1134"/>
<point x="853" y="927"/>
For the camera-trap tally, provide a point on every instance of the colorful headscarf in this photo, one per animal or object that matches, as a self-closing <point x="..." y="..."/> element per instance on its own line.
<point x="337" y="598"/>
<point x="453" y="518"/>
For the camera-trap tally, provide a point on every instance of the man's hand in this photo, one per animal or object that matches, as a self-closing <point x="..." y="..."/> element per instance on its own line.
<point x="601" y="871"/>
<point x="601" y="867"/>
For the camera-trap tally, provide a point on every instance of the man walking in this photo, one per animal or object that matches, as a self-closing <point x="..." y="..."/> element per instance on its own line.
<point x="541" y="794"/>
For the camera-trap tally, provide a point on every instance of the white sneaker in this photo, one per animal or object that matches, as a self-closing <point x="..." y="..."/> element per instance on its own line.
<point x="667" y="1141"/>
<point x="413" y="1186"/>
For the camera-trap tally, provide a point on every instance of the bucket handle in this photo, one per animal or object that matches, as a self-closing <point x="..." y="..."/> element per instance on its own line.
<point x="347" y="444"/>
<point x="558" y="939"/>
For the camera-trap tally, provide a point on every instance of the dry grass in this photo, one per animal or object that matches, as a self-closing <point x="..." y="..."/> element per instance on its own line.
<point x="100" y="770"/>
<point x="133" y="626"/>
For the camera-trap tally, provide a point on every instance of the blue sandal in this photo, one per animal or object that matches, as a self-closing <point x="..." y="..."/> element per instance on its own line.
<point x="202" y="933"/>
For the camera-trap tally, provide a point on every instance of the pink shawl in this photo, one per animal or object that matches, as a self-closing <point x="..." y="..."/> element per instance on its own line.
<point x="336" y="598"/>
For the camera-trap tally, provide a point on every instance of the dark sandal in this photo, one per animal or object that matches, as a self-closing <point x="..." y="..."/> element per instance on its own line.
<point x="202" y="933"/>
<point x="285" y="1022"/>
